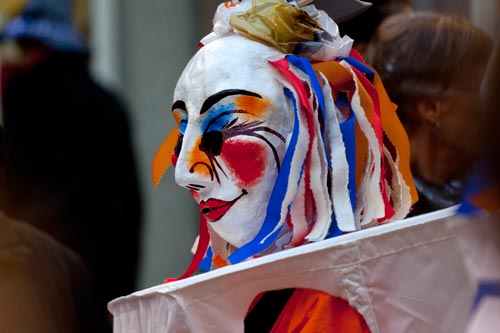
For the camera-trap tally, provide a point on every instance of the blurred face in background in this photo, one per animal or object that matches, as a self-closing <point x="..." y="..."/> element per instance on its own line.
<point x="459" y="118"/>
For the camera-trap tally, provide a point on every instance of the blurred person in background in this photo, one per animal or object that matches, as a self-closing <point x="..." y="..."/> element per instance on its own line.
<point x="432" y="66"/>
<point x="69" y="168"/>
<point x="44" y="286"/>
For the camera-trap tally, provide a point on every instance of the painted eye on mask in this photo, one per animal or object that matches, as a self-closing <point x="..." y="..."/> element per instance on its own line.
<point x="182" y="121"/>
<point x="211" y="142"/>
<point x="178" y="145"/>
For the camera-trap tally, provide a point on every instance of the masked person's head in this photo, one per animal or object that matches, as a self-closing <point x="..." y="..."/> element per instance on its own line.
<point x="266" y="124"/>
<point x="31" y="29"/>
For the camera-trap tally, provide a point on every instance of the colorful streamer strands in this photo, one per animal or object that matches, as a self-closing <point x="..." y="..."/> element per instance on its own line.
<point x="346" y="166"/>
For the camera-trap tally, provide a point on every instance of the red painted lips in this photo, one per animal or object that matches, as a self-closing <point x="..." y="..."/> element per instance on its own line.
<point x="215" y="209"/>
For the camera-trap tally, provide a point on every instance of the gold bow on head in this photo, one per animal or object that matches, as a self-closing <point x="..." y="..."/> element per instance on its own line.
<point x="276" y="23"/>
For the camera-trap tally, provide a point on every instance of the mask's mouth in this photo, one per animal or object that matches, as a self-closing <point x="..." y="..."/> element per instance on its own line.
<point x="214" y="209"/>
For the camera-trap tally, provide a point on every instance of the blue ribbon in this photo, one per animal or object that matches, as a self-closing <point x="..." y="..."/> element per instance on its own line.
<point x="367" y="71"/>
<point x="334" y="230"/>
<point x="349" y="137"/>
<point x="477" y="184"/>
<point x="273" y="214"/>
<point x="305" y="65"/>
<point x="486" y="289"/>
<point x="206" y="263"/>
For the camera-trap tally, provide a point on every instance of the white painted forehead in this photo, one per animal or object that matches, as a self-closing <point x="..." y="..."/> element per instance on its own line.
<point x="231" y="62"/>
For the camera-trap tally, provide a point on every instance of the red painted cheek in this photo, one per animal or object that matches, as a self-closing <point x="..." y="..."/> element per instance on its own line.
<point x="174" y="159"/>
<point x="245" y="159"/>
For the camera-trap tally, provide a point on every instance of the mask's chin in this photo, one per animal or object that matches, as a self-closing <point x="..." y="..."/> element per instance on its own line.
<point x="243" y="231"/>
<point x="236" y="238"/>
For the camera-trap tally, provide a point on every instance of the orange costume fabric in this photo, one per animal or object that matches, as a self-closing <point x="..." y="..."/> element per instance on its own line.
<point x="312" y="311"/>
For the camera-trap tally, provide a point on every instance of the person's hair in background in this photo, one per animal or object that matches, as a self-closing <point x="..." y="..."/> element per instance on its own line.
<point x="432" y="66"/>
<point x="70" y="166"/>
<point x="362" y="27"/>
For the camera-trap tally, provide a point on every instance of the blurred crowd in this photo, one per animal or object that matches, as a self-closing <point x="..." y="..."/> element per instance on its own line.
<point x="69" y="193"/>
<point x="70" y="190"/>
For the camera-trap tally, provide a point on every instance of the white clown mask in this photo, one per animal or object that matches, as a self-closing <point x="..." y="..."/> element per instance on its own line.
<point x="234" y="123"/>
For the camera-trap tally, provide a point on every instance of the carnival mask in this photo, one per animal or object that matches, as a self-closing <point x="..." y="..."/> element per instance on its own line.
<point x="233" y="130"/>
<point x="278" y="149"/>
